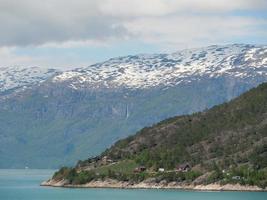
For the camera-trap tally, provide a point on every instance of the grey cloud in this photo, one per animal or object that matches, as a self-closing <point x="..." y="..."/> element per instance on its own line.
<point x="36" y="22"/>
<point x="141" y="8"/>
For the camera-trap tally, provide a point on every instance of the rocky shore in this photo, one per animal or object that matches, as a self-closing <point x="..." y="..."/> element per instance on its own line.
<point x="109" y="183"/>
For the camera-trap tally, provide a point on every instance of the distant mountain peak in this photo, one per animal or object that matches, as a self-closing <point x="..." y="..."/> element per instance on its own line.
<point x="152" y="70"/>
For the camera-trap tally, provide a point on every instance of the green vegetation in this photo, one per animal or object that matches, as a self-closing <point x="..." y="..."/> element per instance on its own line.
<point x="178" y="176"/>
<point x="226" y="144"/>
<point x="83" y="177"/>
<point x="62" y="173"/>
<point x="125" y="167"/>
<point x="243" y="175"/>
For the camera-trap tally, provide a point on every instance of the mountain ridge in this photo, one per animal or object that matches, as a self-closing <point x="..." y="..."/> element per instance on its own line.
<point x="13" y="78"/>
<point x="150" y="70"/>
<point x="85" y="119"/>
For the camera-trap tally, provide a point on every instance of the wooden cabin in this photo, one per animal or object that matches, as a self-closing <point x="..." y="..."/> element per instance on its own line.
<point x="183" y="168"/>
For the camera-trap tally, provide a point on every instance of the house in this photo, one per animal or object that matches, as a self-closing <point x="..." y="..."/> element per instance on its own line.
<point x="105" y="160"/>
<point x="183" y="168"/>
<point x="161" y="170"/>
<point x="139" y="169"/>
<point x="93" y="159"/>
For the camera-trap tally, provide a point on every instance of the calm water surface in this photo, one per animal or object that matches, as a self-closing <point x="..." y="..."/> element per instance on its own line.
<point x="24" y="185"/>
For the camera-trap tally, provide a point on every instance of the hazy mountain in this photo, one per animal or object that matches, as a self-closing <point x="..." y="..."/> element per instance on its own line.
<point x="78" y="113"/>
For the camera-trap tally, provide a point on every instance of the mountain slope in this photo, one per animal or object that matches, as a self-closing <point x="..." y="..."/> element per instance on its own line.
<point x="81" y="112"/>
<point x="225" y="142"/>
<point x="232" y="130"/>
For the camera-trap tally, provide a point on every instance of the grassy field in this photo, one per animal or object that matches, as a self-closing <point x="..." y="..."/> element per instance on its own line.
<point x="125" y="166"/>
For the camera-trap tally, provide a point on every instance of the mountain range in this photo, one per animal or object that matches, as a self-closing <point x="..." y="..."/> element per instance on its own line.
<point x="50" y="118"/>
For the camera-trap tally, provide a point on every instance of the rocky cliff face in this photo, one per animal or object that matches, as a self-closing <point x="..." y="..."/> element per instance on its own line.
<point x="79" y="113"/>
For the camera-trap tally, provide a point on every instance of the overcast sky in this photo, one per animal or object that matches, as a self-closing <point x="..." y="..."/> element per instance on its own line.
<point x="76" y="33"/>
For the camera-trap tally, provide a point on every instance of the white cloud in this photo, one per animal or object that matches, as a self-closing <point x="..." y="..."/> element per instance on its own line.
<point x="194" y="30"/>
<point x="9" y="57"/>
<point x="36" y="22"/>
<point x="74" y="44"/>
<point x="135" y="8"/>
<point x="169" y="24"/>
<point x="141" y="8"/>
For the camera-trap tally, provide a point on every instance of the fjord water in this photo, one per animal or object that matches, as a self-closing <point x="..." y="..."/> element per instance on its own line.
<point x="24" y="185"/>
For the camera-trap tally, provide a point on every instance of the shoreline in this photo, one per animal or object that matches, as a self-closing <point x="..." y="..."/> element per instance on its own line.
<point x="113" y="184"/>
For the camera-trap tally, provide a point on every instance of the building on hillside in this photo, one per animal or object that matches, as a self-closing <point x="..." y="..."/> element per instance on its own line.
<point x="105" y="160"/>
<point x="139" y="169"/>
<point x="183" y="168"/>
<point x="161" y="170"/>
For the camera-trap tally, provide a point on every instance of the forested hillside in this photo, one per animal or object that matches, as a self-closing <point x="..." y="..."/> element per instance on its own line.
<point x="227" y="143"/>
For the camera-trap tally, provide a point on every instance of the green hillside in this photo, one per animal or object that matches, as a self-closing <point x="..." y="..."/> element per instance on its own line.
<point x="226" y="144"/>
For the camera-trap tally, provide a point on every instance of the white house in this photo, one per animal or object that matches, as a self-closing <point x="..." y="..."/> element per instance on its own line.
<point x="161" y="170"/>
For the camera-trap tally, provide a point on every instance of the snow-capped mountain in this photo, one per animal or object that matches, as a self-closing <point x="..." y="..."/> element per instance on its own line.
<point x="71" y="115"/>
<point x="149" y="70"/>
<point x="143" y="71"/>
<point x="23" y="77"/>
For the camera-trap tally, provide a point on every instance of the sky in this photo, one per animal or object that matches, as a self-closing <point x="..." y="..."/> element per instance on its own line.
<point x="68" y="34"/>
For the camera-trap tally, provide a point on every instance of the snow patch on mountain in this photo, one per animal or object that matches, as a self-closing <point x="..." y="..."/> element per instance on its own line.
<point x="149" y="70"/>
<point x="143" y="71"/>
<point x="20" y="77"/>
